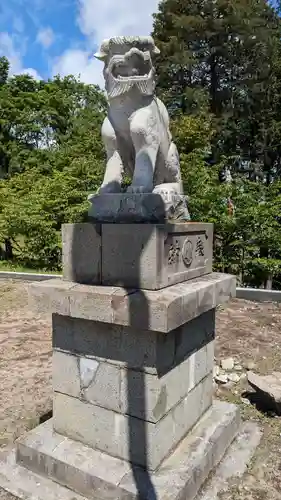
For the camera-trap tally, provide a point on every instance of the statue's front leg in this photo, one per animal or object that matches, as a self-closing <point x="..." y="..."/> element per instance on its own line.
<point x="146" y="141"/>
<point x="114" y="167"/>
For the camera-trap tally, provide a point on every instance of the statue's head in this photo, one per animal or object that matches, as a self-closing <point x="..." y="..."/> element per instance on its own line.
<point x="127" y="64"/>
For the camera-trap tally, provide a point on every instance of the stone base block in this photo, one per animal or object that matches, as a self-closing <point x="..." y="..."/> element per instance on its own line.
<point x="146" y="396"/>
<point x="25" y="484"/>
<point x="138" y="207"/>
<point x="234" y="464"/>
<point x="161" y="311"/>
<point x="131" y="348"/>
<point x="98" y="476"/>
<point x="81" y="256"/>
<point x="132" y="439"/>
<point x="154" y="256"/>
<point x="147" y="256"/>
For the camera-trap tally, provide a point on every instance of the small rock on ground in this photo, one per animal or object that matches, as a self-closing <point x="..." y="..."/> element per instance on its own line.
<point x="221" y="379"/>
<point x="250" y="365"/>
<point x="268" y="387"/>
<point x="227" y="364"/>
<point x="238" y="368"/>
<point x="245" y="401"/>
<point x="216" y="370"/>
<point x="233" y="377"/>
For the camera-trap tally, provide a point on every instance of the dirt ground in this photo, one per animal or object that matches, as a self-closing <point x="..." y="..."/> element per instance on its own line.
<point x="25" y="363"/>
<point x="245" y="331"/>
<point x="251" y="332"/>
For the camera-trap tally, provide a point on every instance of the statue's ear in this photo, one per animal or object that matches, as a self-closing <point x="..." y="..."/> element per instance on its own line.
<point x="100" y="56"/>
<point x="103" y="51"/>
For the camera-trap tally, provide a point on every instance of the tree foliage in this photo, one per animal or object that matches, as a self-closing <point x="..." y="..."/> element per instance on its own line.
<point x="51" y="158"/>
<point x="223" y="56"/>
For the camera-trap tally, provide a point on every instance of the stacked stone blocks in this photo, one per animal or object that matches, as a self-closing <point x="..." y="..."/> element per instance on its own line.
<point x="165" y="382"/>
<point x="132" y="363"/>
<point x="133" y="355"/>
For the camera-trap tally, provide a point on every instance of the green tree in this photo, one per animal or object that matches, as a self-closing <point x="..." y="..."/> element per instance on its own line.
<point x="224" y="56"/>
<point x="4" y="70"/>
<point x="53" y="159"/>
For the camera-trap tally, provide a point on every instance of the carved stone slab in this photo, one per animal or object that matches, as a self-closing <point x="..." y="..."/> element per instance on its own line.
<point x="138" y="207"/>
<point x="188" y="253"/>
<point x="148" y="256"/>
<point x="155" y="256"/>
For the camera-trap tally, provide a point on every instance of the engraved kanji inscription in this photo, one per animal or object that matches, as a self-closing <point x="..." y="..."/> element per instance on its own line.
<point x="200" y="251"/>
<point x="174" y="253"/>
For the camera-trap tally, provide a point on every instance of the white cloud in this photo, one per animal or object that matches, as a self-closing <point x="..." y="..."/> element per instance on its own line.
<point x="45" y="37"/>
<point x="30" y="72"/>
<point x="7" y="48"/>
<point x="99" y="19"/>
<point x="79" y="63"/>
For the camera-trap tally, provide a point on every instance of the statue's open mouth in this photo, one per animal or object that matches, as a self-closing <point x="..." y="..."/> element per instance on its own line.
<point x="134" y="65"/>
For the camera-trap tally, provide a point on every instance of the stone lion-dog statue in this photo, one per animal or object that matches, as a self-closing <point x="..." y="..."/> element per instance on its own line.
<point x="136" y="131"/>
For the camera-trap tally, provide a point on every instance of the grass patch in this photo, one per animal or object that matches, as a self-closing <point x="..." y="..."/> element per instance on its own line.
<point x="18" y="268"/>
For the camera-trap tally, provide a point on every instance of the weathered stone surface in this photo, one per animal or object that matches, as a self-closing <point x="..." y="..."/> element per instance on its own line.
<point x="159" y="255"/>
<point x="137" y="139"/>
<point x="90" y="472"/>
<point x="194" y="334"/>
<point x="163" y="310"/>
<point x="24" y="484"/>
<point x="225" y="289"/>
<point x="93" y="381"/>
<point x="81" y="253"/>
<point x="104" y="389"/>
<point x="126" y="347"/>
<point x="134" y="207"/>
<point x="132" y="348"/>
<point x="88" y="301"/>
<point x="184" y="472"/>
<point x="140" y="264"/>
<point x="269" y="388"/>
<point x="234" y="464"/>
<point x="52" y="296"/>
<point x="156" y="257"/>
<point x="130" y="438"/>
<point x="65" y="374"/>
<point x="87" y="371"/>
<point x="70" y="463"/>
<point x="124" y="390"/>
<point x="162" y="393"/>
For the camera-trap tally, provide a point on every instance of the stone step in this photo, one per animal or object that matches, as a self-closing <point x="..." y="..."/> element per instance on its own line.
<point x="98" y="476"/>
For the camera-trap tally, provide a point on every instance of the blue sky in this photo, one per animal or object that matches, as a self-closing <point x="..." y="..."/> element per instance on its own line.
<point x="46" y="37"/>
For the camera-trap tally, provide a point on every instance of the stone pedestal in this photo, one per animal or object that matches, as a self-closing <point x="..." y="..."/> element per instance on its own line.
<point x="146" y="256"/>
<point x="132" y="365"/>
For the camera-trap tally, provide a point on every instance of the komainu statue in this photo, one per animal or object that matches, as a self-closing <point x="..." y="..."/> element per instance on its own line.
<point x="136" y="132"/>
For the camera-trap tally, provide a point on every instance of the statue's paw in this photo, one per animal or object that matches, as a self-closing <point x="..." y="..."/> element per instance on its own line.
<point x="103" y="190"/>
<point x="138" y="189"/>
<point x="111" y="187"/>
